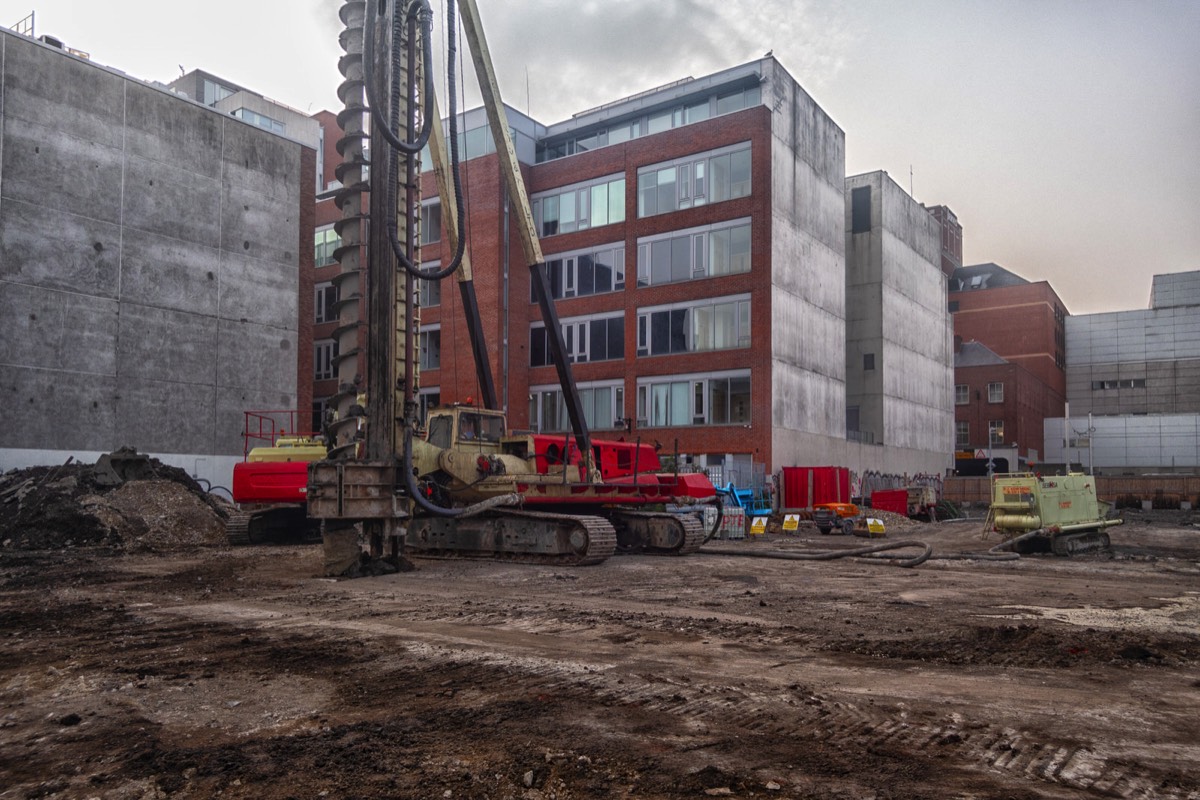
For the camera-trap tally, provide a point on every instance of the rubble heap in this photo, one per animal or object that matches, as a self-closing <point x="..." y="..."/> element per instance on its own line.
<point x="125" y="501"/>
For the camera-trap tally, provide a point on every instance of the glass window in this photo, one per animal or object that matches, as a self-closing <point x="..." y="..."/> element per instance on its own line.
<point x="660" y="122"/>
<point x="729" y="103"/>
<point x="580" y="207"/>
<point x="722" y="251"/>
<point x="707" y="325"/>
<point x="996" y="431"/>
<point x="698" y="112"/>
<point x="739" y="173"/>
<point x="660" y="261"/>
<point x="995" y="392"/>
<point x="621" y="133"/>
<point x="648" y="194"/>
<point x="962" y="394"/>
<point x="215" y="92"/>
<point x="681" y="258"/>
<point x="962" y="434"/>
<point x="431" y="222"/>
<point x="429" y="292"/>
<point x="726" y="331"/>
<point x="430" y="349"/>
<point x="720" y="177"/>
<point x="666" y="190"/>
<point x="325" y="242"/>
<point x="585" y="273"/>
<point x="566" y="212"/>
<point x="550" y="215"/>
<point x="739" y="249"/>
<point x="616" y="201"/>
<point x="703" y="328"/>
<point x="325" y="353"/>
<point x="325" y="303"/>
<point x="599" y="205"/>
<point x="694" y="400"/>
<point x="739" y="400"/>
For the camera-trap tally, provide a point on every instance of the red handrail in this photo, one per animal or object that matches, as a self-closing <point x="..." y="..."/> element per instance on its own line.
<point x="265" y="428"/>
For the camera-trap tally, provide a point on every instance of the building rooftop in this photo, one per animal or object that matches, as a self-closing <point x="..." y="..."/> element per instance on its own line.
<point x="975" y="354"/>
<point x="1175" y="289"/>
<point x="983" y="276"/>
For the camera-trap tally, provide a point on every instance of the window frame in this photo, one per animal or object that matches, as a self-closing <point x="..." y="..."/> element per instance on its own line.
<point x="693" y="180"/>
<point x="703" y="241"/>
<point x="681" y="321"/>
<point x="652" y="391"/>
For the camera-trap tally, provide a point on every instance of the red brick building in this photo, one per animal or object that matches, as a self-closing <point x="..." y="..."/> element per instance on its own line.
<point x="610" y="316"/>
<point x="1023" y="325"/>
<point x="318" y="292"/>
<point x="694" y="237"/>
<point x="998" y="403"/>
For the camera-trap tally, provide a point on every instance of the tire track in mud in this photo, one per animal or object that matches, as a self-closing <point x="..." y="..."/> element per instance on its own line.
<point x="724" y="710"/>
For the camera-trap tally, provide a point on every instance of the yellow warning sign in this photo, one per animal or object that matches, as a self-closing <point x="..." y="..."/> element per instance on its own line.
<point x="875" y="527"/>
<point x="758" y="526"/>
<point x="791" y="522"/>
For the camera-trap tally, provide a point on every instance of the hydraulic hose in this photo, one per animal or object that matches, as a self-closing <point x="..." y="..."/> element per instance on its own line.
<point x="424" y="502"/>
<point x="720" y="518"/>
<point x="418" y="11"/>
<point x="831" y="555"/>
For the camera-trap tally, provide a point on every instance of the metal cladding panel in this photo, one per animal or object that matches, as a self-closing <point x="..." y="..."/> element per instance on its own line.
<point x="1142" y="426"/>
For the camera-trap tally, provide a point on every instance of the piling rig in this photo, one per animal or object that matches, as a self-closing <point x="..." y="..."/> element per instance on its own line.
<point x="463" y="485"/>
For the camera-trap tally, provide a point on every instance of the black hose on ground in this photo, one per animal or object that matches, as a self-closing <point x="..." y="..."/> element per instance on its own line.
<point x="831" y="555"/>
<point x="720" y="518"/>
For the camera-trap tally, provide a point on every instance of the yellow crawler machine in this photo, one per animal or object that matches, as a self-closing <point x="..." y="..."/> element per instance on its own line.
<point x="1057" y="513"/>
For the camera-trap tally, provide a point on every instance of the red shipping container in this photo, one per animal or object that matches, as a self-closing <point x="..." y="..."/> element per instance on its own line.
<point x="804" y="487"/>
<point x="894" y="500"/>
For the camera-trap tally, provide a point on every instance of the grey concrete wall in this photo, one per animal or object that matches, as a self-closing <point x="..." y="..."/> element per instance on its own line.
<point x="896" y="310"/>
<point x="148" y="263"/>
<point x="808" y="266"/>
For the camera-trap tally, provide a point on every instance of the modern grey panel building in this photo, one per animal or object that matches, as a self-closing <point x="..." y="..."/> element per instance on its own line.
<point x="1138" y="374"/>
<point x="149" y="257"/>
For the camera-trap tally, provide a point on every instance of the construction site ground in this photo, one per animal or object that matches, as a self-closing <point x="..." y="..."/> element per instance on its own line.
<point x="241" y="673"/>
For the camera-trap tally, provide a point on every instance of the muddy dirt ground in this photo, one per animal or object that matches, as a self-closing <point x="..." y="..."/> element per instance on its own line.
<point x="240" y="673"/>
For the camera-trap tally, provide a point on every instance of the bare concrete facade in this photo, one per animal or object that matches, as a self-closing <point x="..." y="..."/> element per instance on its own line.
<point x="1138" y="373"/>
<point x="808" y="292"/>
<point x="149" y="257"/>
<point x="899" y="351"/>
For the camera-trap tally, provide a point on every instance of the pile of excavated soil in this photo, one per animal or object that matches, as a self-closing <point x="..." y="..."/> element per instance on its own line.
<point x="83" y="505"/>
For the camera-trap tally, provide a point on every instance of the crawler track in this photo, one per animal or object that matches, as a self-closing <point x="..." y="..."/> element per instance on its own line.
<point x="566" y="539"/>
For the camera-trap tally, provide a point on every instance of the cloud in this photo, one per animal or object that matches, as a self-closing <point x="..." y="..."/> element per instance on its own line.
<point x="600" y="52"/>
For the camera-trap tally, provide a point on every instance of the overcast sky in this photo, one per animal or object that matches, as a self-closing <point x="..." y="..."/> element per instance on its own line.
<point x="1064" y="134"/>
